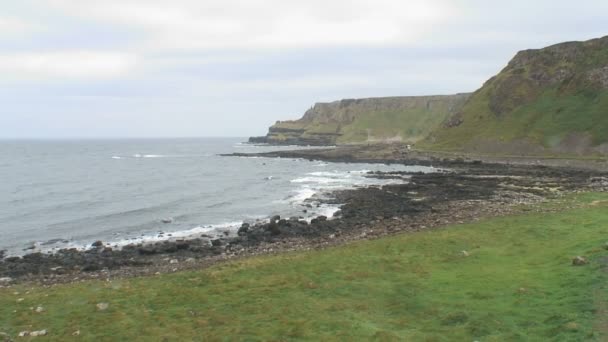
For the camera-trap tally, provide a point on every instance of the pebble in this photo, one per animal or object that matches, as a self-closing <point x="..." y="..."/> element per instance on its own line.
<point x="39" y="309"/>
<point x="174" y="261"/>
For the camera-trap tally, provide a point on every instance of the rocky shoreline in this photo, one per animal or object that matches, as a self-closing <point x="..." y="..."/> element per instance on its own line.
<point x="470" y="190"/>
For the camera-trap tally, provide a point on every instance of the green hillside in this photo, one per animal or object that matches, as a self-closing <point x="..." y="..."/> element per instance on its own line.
<point x="548" y="101"/>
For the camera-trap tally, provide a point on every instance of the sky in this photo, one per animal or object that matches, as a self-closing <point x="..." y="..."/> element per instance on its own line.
<point x="194" y="68"/>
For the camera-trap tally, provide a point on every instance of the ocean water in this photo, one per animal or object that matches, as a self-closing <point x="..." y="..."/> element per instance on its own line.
<point x="57" y="194"/>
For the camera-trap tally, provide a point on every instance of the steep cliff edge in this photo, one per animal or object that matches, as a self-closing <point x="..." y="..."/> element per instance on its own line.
<point x="406" y="119"/>
<point x="546" y="101"/>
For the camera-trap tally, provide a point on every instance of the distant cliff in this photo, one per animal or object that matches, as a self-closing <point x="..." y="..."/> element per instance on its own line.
<point x="406" y="119"/>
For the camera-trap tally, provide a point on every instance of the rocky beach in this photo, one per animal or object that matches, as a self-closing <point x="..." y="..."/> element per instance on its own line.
<point x="460" y="191"/>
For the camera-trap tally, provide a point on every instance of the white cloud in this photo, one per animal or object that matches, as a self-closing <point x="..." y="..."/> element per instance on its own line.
<point x="10" y="26"/>
<point x="66" y="65"/>
<point x="266" y="23"/>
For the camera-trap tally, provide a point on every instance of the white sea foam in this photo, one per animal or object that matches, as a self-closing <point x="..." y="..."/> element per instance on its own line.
<point x="315" y="186"/>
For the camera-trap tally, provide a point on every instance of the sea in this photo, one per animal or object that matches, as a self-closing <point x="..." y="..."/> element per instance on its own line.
<point x="69" y="193"/>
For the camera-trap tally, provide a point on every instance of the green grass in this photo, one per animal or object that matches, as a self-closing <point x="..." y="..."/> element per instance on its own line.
<point x="516" y="285"/>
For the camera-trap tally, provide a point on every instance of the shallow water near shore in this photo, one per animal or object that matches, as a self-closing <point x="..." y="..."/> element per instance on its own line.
<point x="57" y="194"/>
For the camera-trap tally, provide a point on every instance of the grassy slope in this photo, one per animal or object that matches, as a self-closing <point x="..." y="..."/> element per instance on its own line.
<point x="542" y="115"/>
<point x="517" y="284"/>
<point x="411" y="125"/>
<point x="546" y="121"/>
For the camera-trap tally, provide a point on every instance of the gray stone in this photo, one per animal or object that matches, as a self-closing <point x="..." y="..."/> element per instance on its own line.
<point x="579" y="261"/>
<point x="102" y="306"/>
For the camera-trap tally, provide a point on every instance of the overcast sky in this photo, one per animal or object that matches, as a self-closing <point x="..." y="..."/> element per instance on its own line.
<point x="129" y="68"/>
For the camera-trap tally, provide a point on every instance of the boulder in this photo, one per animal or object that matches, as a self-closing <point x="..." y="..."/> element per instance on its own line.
<point x="167" y="220"/>
<point x="244" y="229"/>
<point x="5" y="280"/>
<point x="579" y="261"/>
<point x="97" y="244"/>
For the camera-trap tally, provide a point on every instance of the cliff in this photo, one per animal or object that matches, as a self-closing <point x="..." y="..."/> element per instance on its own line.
<point x="403" y="119"/>
<point x="545" y="101"/>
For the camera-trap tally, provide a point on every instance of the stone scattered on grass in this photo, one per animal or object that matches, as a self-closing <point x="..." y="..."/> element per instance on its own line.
<point x="465" y="253"/>
<point x="173" y="261"/>
<point x="102" y="306"/>
<point x="76" y="333"/>
<point x="39" y="309"/>
<point x="39" y="333"/>
<point x="579" y="261"/>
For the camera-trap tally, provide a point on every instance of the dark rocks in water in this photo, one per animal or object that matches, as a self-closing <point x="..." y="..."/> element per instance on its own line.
<point x="2" y="254"/>
<point x="244" y="229"/>
<point x="97" y="244"/>
<point x="318" y="219"/>
<point x="275" y="218"/>
<point x="217" y="242"/>
<point x="167" y="220"/>
<point x="273" y="228"/>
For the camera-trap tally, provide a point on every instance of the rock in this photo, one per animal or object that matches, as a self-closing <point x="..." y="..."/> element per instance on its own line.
<point x="190" y="260"/>
<point x="273" y="228"/>
<point x="275" y="218"/>
<point x="4" y="337"/>
<point x="217" y="242"/>
<point x="243" y="230"/>
<point x="465" y="253"/>
<point x="76" y="333"/>
<point x="97" y="244"/>
<point x="579" y="261"/>
<point x="167" y="220"/>
<point x="174" y="261"/>
<point x="5" y="280"/>
<point x="24" y="334"/>
<point x="102" y="306"/>
<point x="38" y="333"/>
<point x="39" y="309"/>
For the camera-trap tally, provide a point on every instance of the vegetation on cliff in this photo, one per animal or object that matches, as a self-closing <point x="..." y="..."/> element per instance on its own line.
<point x="403" y="119"/>
<point x="548" y="101"/>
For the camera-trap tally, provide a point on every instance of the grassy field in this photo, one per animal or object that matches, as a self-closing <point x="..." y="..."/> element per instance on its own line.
<point x="516" y="284"/>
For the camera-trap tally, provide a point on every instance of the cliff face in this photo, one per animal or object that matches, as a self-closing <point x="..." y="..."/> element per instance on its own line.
<point x="405" y="119"/>
<point x="550" y="100"/>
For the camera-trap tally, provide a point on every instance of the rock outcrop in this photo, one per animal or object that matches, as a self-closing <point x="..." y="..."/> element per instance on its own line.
<point x="404" y="119"/>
